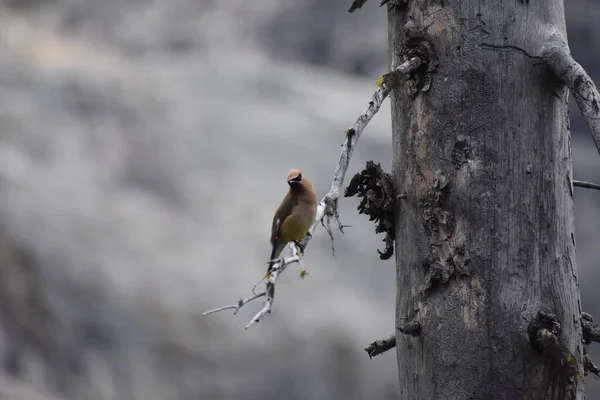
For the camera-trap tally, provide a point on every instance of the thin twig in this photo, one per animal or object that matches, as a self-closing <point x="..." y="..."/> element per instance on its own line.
<point x="277" y="269"/>
<point x="271" y="280"/>
<point x="235" y="307"/>
<point x="588" y="365"/>
<point x="587" y="185"/>
<point x="557" y="56"/>
<point x="327" y="207"/>
<point x="381" y="346"/>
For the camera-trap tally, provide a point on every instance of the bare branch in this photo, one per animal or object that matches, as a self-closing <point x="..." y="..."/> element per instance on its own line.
<point x="356" y="4"/>
<point x="589" y="366"/>
<point x="270" y="289"/>
<point x="587" y="185"/>
<point x="558" y="57"/>
<point x="327" y="207"/>
<point x="236" y="307"/>
<point x="381" y="346"/>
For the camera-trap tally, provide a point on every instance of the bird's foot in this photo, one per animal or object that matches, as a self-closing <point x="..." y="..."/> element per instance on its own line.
<point x="300" y="247"/>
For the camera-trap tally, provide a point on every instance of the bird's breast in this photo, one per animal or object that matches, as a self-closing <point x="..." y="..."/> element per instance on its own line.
<point x="295" y="227"/>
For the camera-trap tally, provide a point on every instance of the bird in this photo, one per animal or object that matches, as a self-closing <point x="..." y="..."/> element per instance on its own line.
<point x="295" y="215"/>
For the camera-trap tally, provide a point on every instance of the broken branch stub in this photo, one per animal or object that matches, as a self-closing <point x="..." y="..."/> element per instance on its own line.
<point x="560" y="365"/>
<point x="557" y="56"/>
<point x="381" y="346"/>
<point x="587" y="185"/>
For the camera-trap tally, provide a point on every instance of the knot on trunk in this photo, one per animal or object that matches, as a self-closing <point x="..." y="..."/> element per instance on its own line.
<point x="418" y="44"/>
<point x="411" y="328"/>
<point x="591" y="333"/>
<point x="376" y="189"/>
<point x="561" y="371"/>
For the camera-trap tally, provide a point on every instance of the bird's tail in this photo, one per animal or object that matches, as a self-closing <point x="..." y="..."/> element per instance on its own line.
<point x="277" y="249"/>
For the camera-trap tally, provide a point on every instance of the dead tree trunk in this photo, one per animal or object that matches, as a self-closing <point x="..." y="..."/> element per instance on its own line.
<point x="485" y="233"/>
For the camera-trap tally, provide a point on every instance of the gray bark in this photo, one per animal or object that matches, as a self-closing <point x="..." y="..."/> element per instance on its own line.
<point x="485" y="234"/>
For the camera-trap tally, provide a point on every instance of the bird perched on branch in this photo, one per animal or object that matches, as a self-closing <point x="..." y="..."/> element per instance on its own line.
<point x="295" y="215"/>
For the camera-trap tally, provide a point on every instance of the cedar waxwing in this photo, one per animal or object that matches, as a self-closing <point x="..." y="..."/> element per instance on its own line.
<point x="295" y="215"/>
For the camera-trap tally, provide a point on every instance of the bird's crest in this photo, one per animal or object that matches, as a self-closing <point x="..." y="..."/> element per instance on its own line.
<point x="294" y="173"/>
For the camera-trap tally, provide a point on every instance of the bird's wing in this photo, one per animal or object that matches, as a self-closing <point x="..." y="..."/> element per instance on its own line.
<point x="284" y="211"/>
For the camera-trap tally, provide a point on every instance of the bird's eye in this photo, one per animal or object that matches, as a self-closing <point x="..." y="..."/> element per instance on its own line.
<point x="296" y="179"/>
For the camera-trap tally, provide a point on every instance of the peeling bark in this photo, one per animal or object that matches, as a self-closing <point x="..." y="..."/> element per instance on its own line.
<point x="375" y="188"/>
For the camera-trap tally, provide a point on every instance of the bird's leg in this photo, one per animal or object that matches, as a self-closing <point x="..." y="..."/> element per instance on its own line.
<point x="298" y="248"/>
<point x="301" y="244"/>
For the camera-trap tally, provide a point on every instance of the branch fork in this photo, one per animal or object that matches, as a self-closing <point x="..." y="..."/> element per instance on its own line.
<point x="557" y="56"/>
<point x="327" y="209"/>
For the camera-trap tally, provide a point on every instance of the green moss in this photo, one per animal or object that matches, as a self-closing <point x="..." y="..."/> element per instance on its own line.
<point x="380" y="81"/>
<point x="571" y="362"/>
<point x="303" y="273"/>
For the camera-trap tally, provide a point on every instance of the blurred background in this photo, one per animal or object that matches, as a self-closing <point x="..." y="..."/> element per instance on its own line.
<point x="143" y="149"/>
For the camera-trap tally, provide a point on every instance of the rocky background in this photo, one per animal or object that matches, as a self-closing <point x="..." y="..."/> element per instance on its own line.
<point x="143" y="149"/>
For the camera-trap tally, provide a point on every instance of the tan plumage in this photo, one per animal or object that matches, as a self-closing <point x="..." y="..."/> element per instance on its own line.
<point x="295" y="215"/>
